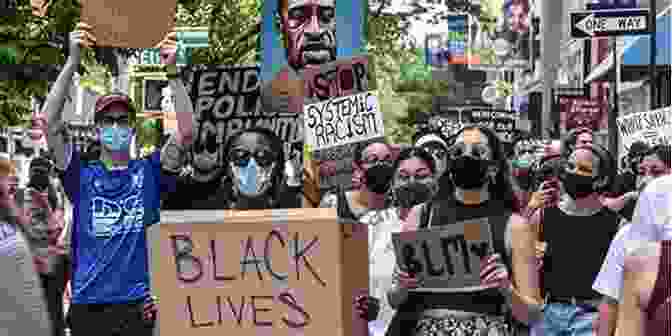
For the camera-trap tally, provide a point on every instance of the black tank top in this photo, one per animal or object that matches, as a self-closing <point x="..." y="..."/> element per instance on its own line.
<point x="446" y="212"/>
<point x="577" y="247"/>
<point x="658" y="310"/>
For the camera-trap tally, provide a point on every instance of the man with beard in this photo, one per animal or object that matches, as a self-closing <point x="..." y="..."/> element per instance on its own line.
<point x="44" y="202"/>
<point x="572" y="305"/>
<point x="114" y="199"/>
<point x="308" y="29"/>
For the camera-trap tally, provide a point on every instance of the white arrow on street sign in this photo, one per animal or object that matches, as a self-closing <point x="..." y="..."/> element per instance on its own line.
<point x="591" y="24"/>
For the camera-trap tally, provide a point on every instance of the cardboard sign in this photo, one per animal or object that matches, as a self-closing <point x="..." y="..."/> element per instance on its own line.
<point x="337" y="79"/>
<point x="652" y="127"/>
<point x="343" y="120"/>
<point x="345" y="77"/>
<point x="129" y="23"/>
<point x="447" y="258"/>
<point x="268" y="272"/>
<point x="227" y="100"/>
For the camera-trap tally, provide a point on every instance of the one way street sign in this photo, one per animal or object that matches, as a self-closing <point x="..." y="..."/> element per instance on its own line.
<point x="610" y="22"/>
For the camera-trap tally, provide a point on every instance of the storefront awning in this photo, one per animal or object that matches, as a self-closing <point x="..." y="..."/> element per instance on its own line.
<point x="634" y="53"/>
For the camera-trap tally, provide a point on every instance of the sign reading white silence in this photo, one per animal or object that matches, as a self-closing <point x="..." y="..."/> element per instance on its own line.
<point x="447" y="258"/>
<point x="343" y="120"/>
<point x="651" y="127"/>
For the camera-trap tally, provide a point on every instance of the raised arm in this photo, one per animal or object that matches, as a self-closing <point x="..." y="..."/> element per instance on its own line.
<point x="53" y="106"/>
<point x="184" y="109"/>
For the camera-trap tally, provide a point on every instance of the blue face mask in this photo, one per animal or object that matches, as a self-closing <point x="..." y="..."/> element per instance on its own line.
<point x="116" y="139"/>
<point x="248" y="182"/>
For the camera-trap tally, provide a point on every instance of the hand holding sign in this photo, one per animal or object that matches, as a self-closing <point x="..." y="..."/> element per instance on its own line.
<point x="367" y="307"/>
<point x="81" y="37"/>
<point x="168" y="48"/>
<point x="494" y="273"/>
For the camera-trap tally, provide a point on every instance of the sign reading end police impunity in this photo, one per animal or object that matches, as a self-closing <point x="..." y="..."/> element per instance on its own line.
<point x="609" y="22"/>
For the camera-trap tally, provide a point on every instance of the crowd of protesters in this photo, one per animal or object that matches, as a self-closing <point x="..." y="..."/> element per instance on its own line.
<point x="581" y="245"/>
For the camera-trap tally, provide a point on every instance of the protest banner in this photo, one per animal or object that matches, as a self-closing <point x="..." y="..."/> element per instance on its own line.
<point x="447" y="258"/>
<point x="580" y="111"/>
<point x="341" y="78"/>
<point x="343" y="120"/>
<point x="129" y="23"/>
<point x="651" y="127"/>
<point x="262" y="272"/>
<point x="503" y="122"/>
<point x="337" y="79"/>
<point x="345" y="27"/>
<point x="226" y="101"/>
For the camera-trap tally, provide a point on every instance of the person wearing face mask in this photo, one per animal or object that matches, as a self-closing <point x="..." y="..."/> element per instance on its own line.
<point x="609" y="281"/>
<point x="21" y="295"/>
<point x="580" y="136"/>
<point x="414" y="182"/>
<point x="374" y="162"/>
<point x="437" y="145"/>
<point x="482" y="189"/>
<point x="44" y="203"/>
<point x="623" y="196"/>
<point x="255" y="171"/>
<point x="110" y="276"/>
<point x="571" y="304"/>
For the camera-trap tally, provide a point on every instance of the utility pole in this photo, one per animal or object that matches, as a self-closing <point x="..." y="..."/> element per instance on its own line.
<point x="652" y="61"/>
<point x="611" y="117"/>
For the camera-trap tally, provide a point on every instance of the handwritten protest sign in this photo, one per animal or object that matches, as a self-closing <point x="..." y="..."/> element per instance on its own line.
<point x="503" y="122"/>
<point x="226" y="101"/>
<point x="343" y="120"/>
<point x="652" y="127"/>
<point x="268" y="272"/>
<point x="344" y="77"/>
<point x="337" y="79"/>
<point x="447" y="258"/>
<point x="129" y="23"/>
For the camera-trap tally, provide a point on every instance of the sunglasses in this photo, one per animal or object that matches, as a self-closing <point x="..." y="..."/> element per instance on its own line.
<point x="242" y="157"/>
<point x="109" y="121"/>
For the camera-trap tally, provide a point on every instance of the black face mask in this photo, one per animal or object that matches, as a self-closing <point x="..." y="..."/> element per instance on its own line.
<point x="469" y="173"/>
<point x="577" y="186"/>
<point x="408" y="195"/>
<point x="378" y="177"/>
<point x="39" y="181"/>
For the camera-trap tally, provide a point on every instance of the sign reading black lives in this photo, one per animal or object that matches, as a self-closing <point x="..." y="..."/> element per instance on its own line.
<point x="503" y="122"/>
<point x="227" y="100"/>
<point x="447" y="258"/>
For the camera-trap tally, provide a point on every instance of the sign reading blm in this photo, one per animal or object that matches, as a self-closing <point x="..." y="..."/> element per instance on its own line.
<point x="447" y="258"/>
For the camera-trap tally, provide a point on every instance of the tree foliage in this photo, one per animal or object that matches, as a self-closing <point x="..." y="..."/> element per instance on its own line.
<point x="235" y="27"/>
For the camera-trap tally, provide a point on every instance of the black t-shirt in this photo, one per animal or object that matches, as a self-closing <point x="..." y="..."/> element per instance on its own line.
<point x="624" y="183"/>
<point x="577" y="247"/>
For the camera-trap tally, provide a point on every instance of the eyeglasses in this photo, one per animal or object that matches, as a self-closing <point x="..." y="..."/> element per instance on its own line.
<point x="242" y="157"/>
<point x="109" y="121"/>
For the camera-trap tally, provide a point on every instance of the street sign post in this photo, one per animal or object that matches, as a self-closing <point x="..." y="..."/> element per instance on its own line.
<point x="616" y="22"/>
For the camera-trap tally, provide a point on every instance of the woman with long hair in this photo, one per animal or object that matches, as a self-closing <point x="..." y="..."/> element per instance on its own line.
<point x="482" y="191"/>
<point x="414" y="182"/>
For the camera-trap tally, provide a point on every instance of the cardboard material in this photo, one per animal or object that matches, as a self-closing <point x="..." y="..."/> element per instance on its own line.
<point x="448" y="258"/>
<point x="129" y="23"/>
<point x="220" y="240"/>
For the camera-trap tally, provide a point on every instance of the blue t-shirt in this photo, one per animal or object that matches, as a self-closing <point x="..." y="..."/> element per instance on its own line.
<point x="111" y="209"/>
